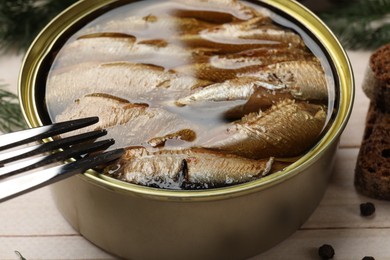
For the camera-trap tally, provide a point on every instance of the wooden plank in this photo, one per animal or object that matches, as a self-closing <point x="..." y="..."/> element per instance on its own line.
<point x="32" y="214"/>
<point x="354" y="130"/>
<point x="349" y="244"/>
<point x="303" y="244"/>
<point x="340" y="207"/>
<point x="51" y="247"/>
<point x="9" y="70"/>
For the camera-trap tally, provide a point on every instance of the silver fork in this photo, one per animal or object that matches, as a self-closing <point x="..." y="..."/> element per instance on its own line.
<point x="27" y="168"/>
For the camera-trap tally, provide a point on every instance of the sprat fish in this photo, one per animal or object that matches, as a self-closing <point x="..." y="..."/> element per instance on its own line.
<point x="111" y="110"/>
<point x="287" y="129"/>
<point x="234" y="89"/>
<point x="127" y="122"/>
<point x="143" y="27"/>
<point x="126" y="79"/>
<point x="260" y="56"/>
<point x="110" y="47"/>
<point x="233" y="7"/>
<point x="195" y="40"/>
<point x="219" y="68"/>
<point x="189" y="168"/>
<point x="303" y="79"/>
<point x="260" y="100"/>
<point x="256" y="30"/>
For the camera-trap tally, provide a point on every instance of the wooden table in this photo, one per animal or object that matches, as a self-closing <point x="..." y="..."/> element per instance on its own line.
<point x="32" y="225"/>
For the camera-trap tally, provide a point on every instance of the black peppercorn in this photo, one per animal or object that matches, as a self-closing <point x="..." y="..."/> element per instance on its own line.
<point x="326" y="251"/>
<point x="367" y="209"/>
<point x="368" y="258"/>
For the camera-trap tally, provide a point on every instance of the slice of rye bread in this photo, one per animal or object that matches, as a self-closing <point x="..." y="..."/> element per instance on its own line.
<point x="376" y="83"/>
<point x="372" y="172"/>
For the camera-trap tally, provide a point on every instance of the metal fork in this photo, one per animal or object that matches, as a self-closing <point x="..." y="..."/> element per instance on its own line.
<point x="27" y="168"/>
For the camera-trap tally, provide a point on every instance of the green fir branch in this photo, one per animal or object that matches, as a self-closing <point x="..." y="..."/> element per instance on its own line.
<point x="360" y="24"/>
<point x="22" y="20"/>
<point x="11" y="118"/>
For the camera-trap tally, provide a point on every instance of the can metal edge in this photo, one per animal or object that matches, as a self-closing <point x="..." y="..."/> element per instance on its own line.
<point x="45" y="40"/>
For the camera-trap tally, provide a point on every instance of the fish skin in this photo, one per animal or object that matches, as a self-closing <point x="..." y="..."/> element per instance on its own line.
<point x="206" y="71"/>
<point x="98" y="48"/>
<point x="188" y="168"/>
<point x="225" y="67"/>
<point x="243" y="35"/>
<point x="232" y="7"/>
<point x="229" y="45"/>
<point x="112" y="110"/>
<point x="287" y="129"/>
<point x="261" y="100"/>
<point x="251" y="31"/>
<point x="305" y="79"/>
<point x="110" y="47"/>
<point x="234" y="89"/>
<point x="125" y="121"/>
<point x="125" y="79"/>
<point x="260" y="56"/>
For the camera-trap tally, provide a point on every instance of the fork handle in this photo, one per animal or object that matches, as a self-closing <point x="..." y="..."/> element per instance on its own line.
<point x="22" y="183"/>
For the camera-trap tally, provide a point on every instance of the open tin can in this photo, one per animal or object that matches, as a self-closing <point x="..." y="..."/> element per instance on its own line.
<point x="235" y="222"/>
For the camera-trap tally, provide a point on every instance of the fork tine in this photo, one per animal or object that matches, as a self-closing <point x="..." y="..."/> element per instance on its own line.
<point x="15" y="155"/>
<point x="75" y="151"/>
<point x="30" y="181"/>
<point x="34" y="134"/>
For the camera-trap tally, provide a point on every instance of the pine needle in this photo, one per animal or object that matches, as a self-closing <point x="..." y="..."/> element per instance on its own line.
<point x="19" y="255"/>
<point x="360" y="24"/>
<point x="11" y="118"/>
<point x="22" y="20"/>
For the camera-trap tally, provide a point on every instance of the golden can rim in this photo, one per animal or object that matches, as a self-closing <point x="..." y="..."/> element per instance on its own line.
<point x="337" y="56"/>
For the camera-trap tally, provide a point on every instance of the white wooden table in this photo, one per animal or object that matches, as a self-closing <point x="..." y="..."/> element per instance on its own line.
<point x="32" y="225"/>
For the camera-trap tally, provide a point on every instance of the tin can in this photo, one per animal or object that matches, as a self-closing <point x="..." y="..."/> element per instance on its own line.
<point x="235" y="222"/>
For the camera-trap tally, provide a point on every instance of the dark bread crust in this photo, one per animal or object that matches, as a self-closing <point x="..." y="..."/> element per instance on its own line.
<point x="380" y="64"/>
<point x="377" y="80"/>
<point x="372" y="173"/>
